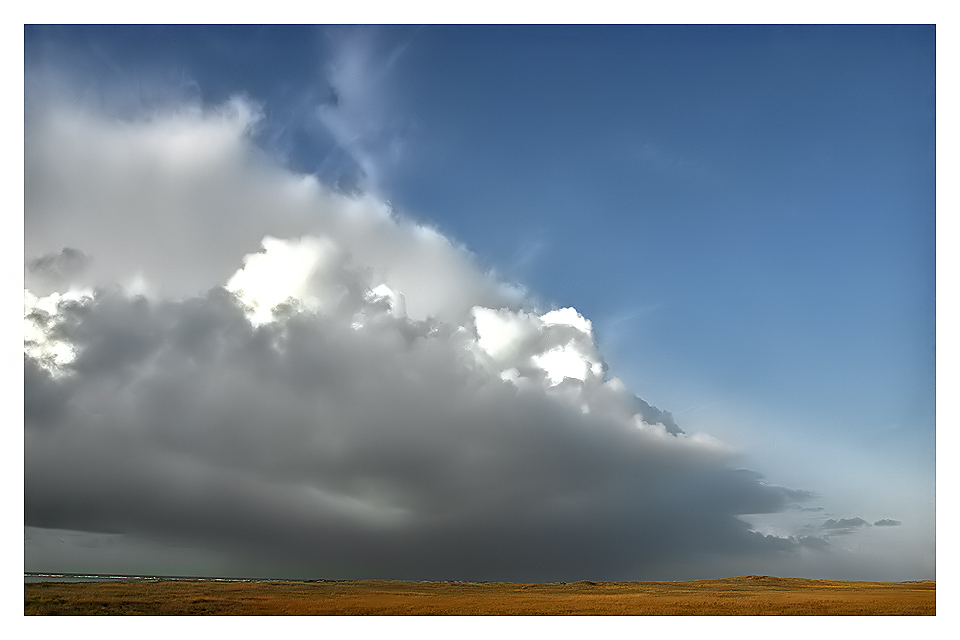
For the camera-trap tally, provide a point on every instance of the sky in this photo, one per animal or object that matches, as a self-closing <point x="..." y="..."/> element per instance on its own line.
<point x="480" y="303"/>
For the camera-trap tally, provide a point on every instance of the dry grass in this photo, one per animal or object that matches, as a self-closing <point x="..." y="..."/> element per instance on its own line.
<point x="747" y="595"/>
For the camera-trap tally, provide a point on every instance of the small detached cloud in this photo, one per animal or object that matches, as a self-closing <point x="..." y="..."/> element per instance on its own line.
<point x="68" y="261"/>
<point x="844" y="525"/>
<point x="57" y="268"/>
<point x="887" y="522"/>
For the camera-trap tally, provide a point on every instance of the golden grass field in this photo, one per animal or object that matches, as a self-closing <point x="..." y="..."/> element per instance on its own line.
<point x="746" y="595"/>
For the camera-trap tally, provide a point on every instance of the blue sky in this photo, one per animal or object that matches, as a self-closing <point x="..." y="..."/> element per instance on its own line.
<point x="746" y="214"/>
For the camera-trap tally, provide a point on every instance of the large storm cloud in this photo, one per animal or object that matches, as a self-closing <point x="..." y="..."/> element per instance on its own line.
<point x="232" y="357"/>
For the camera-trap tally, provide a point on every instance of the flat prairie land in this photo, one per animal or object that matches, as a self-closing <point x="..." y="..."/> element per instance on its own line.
<point x="743" y="596"/>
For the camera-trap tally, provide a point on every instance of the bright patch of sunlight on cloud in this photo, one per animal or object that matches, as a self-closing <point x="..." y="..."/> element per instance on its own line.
<point x="39" y="343"/>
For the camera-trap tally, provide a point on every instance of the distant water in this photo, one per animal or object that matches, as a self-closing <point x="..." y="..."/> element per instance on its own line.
<point x="73" y="577"/>
<point x="32" y="576"/>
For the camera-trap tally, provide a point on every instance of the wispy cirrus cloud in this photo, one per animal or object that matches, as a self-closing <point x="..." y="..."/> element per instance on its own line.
<point x="360" y="108"/>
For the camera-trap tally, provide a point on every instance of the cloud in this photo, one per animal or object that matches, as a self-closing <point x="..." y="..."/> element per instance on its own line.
<point x="887" y="522"/>
<point x="176" y="198"/>
<point x="256" y="365"/>
<point x="360" y="111"/>
<point x="844" y="525"/>
<point x="59" y="266"/>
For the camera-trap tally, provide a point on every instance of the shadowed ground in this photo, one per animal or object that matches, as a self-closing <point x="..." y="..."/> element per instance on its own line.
<point x="746" y="595"/>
